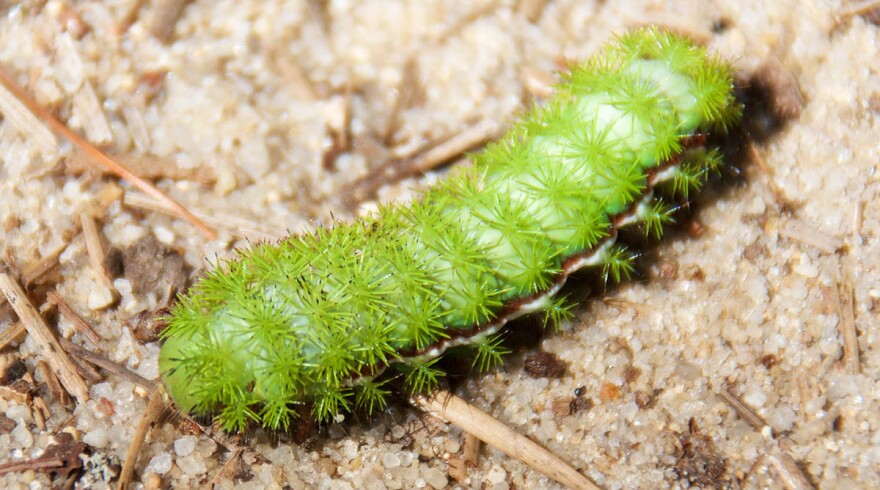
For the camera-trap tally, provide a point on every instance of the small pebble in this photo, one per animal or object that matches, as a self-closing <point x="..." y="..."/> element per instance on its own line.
<point x="806" y="269"/>
<point x="755" y="398"/>
<point x="96" y="438"/>
<point x="390" y="460"/>
<point x="101" y="390"/>
<point x="152" y="481"/>
<point x="99" y="298"/>
<point x="164" y="235"/>
<point x="23" y="436"/>
<point x="496" y="475"/>
<point x="192" y="465"/>
<point x="435" y="478"/>
<point x="160" y="464"/>
<point x="185" y="445"/>
<point x="349" y="449"/>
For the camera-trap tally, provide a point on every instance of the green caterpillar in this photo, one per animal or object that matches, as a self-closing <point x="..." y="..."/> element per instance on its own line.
<point x="315" y="319"/>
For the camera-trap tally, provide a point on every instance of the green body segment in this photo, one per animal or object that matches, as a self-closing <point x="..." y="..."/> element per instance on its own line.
<point x="310" y="320"/>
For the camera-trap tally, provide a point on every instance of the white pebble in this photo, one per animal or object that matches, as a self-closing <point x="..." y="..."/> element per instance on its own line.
<point x="757" y="290"/>
<point x="435" y="478"/>
<point x="208" y="446"/>
<point x="185" y="445"/>
<point x="390" y="460"/>
<point x="349" y="449"/>
<point x="805" y="268"/>
<point x="72" y="190"/>
<point x="755" y="398"/>
<point x="101" y="390"/>
<point x="29" y="227"/>
<point x="100" y="297"/>
<point x="130" y="233"/>
<point x="96" y="438"/>
<point x="192" y="465"/>
<point x="398" y="432"/>
<point x="19" y="413"/>
<point x="149" y="368"/>
<point x="160" y="464"/>
<point x="756" y="206"/>
<point x="452" y="446"/>
<point x="406" y="458"/>
<point x="164" y="235"/>
<point x="496" y="475"/>
<point x="23" y="436"/>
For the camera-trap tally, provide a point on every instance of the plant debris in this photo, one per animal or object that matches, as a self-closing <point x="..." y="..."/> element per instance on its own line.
<point x="153" y="268"/>
<point x="544" y="365"/>
<point x="699" y="463"/>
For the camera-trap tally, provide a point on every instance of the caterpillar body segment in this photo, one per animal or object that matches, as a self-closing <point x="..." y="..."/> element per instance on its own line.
<point x="316" y="318"/>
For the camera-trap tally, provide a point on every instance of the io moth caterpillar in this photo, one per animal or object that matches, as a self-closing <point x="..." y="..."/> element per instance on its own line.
<point x="315" y="320"/>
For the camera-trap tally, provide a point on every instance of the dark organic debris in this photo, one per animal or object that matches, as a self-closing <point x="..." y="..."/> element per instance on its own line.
<point x="60" y="459"/>
<point x="544" y="365"/>
<point x="699" y="462"/>
<point x="151" y="267"/>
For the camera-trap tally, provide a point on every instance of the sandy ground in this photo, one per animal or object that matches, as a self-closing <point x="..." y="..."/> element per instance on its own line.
<point x="238" y="109"/>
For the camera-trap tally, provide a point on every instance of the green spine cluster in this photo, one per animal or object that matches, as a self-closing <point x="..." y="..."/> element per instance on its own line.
<point x="312" y="319"/>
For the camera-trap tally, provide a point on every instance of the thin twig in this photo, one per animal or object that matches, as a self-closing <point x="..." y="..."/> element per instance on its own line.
<point x="34" y="465"/>
<point x="87" y="370"/>
<point x="81" y="325"/>
<point x="233" y="459"/>
<point x="804" y="233"/>
<point x="238" y="226"/>
<point x="743" y="410"/>
<point x="26" y="122"/>
<point x="162" y="16"/>
<point x="108" y="365"/>
<point x="766" y="169"/>
<point x="52" y="382"/>
<point x="473" y="420"/>
<point x="11" y="334"/>
<point x="858" y="220"/>
<point x="408" y="89"/>
<point x="458" y="144"/>
<point x="32" y="273"/>
<point x="11" y="394"/>
<point x="471" y="450"/>
<point x="61" y="364"/>
<point x="860" y="8"/>
<point x="790" y="473"/>
<point x="153" y="412"/>
<point x="531" y="9"/>
<point x="35" y="270"/>
<point x="41" y="412"/>
<point x="793" y="478"/>
<point x="94" y="124"/>
<point x="100" y="158"/>
<point x="424" y="159"/>
<point x="97" y="256"/>
<point x="843" y="301"/>
<point x="470" y="454"/>
<point x="130" y="17"/>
